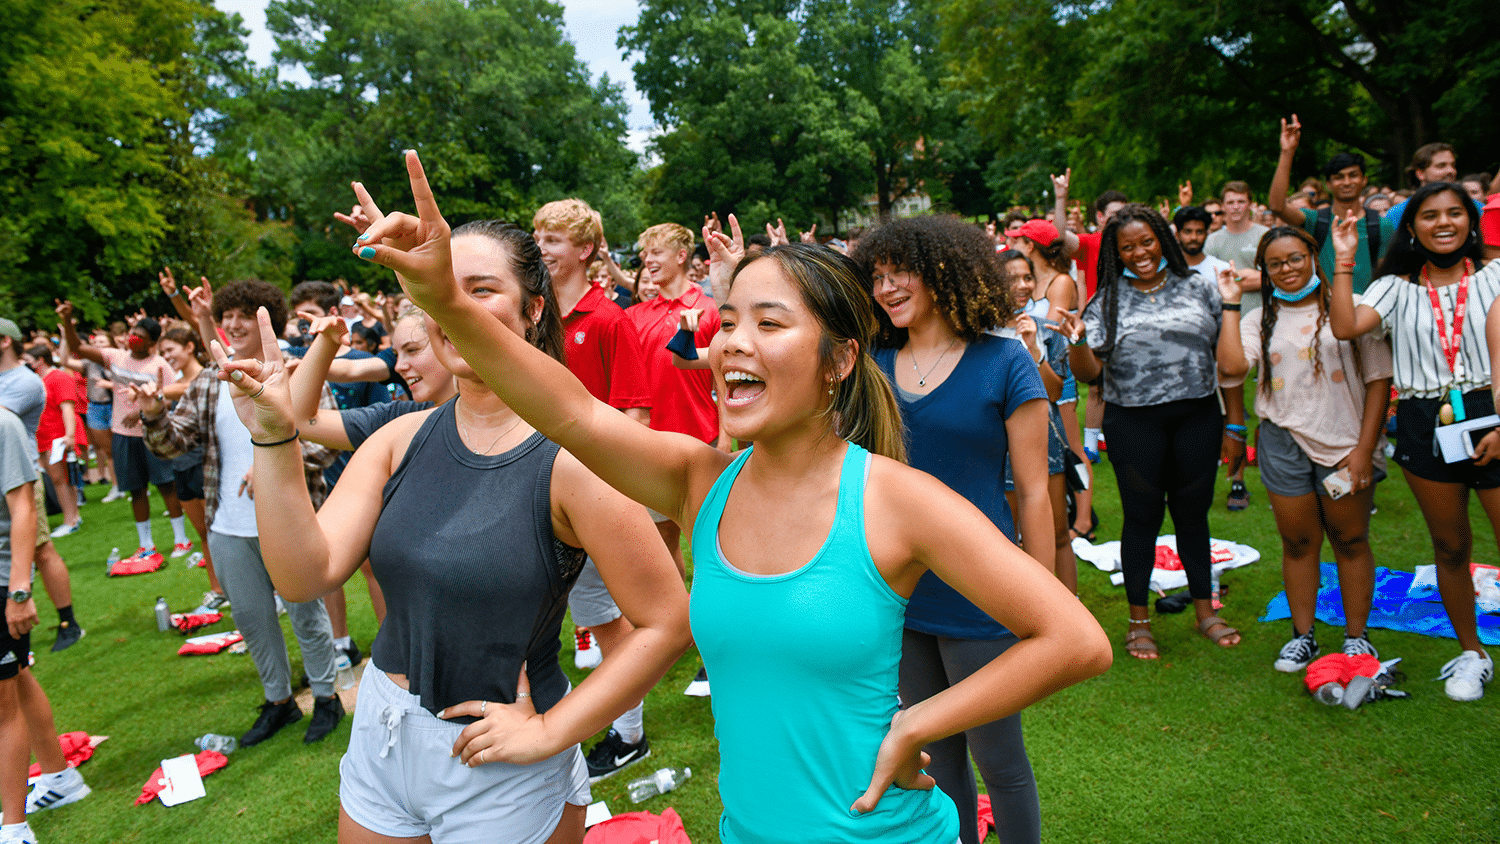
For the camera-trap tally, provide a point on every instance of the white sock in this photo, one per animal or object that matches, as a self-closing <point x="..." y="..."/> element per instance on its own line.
<point x="1091" y="438"/>
<point x="17" y="832"/>
<point x="143" y="532"/>
<point x="179" y="529"/>
<point x="631" y="726"/>
<point x="345" y="642"/>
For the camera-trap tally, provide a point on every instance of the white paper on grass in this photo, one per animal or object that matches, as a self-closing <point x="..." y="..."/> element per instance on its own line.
<point x="596" y="813"/>
<point x="184" y="783"/>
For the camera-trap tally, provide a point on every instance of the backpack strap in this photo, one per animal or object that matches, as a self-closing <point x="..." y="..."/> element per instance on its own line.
<point x="1322" y="226"/>
<point x="1372" y="238"/>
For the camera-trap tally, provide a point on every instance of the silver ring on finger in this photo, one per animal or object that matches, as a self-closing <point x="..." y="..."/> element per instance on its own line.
<point x="256" y="394"/>
<point x="483" y="704"/>
<point x="481" y="756"/>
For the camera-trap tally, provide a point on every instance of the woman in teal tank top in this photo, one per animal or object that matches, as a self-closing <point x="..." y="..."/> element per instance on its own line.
<point x="816" y="535"/>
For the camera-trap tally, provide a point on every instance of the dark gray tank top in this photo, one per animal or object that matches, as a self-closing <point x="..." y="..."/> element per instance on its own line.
<point x="474" y="581"/>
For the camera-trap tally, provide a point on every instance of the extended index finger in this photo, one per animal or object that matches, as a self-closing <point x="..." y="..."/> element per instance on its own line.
<point x="366" y="203"/>
<point x="421" y="192"/>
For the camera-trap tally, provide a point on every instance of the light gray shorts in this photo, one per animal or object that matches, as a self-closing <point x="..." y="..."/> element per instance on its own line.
<point x="590" y="602"/>
<point x="658" y="517"/>
<point x="1285" y="469"/>
<point x="397" y="778"/>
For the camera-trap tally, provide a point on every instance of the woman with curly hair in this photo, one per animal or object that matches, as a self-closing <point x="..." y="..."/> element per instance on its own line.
<point x="973" y="405"/>
<point x="1150" y="330"/>
<point x="1321" y="403"/>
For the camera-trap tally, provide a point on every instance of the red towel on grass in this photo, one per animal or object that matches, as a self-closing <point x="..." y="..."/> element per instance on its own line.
<point x="208" y="762"/>
<point x="77" y="748"/>
<point x="639" y="828"/>
<point x="212" y="646"/>
<point x="137" y="566"/>
<point x="1340" y="668"/>
<point x="188" y="622"/>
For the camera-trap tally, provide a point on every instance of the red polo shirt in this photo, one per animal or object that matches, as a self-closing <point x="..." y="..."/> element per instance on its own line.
<point x="681" y="399"/>
<point x="603" y="351"/>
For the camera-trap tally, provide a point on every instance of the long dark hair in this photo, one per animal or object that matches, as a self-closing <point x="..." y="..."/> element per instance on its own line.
<point x="526" y="264"/>
<point x="1270" y="309"/>
<point x="1110" y="270"/>
<point x="836" y="291"/>
<point x="1403" y="259"/>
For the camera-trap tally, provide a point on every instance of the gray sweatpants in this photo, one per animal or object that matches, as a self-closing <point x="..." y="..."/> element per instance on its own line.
<point x="252" y="600"/>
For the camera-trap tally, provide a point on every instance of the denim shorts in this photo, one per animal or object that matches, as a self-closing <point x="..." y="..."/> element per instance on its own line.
<point x="99" y="415"/>
<point x="1285" y="469"/>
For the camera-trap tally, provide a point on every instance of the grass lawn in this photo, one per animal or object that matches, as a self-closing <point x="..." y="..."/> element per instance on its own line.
<point x="1205" y="745"/>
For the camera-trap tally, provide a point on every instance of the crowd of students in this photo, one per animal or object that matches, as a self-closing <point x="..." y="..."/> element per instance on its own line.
<point x="873" y="444"/>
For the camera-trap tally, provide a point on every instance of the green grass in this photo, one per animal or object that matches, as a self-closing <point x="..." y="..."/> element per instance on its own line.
<point x="1205" y="745"/>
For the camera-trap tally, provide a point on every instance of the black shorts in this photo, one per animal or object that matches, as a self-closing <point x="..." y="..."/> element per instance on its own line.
<point x="136" y="466"/>
<point x="1416" y="419"/>
<point x="14" y="653"/>
<point x="189" y="482"/>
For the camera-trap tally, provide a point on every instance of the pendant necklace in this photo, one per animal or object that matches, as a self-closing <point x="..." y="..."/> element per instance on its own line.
<point x="922" y="379"/>
<point x="497" y="439"/>
<point x="1150" y="292"/>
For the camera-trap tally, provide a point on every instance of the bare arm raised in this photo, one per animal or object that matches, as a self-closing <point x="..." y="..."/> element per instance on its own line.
<point x="1291" y="136"/>
<point x="1347" y="320"/>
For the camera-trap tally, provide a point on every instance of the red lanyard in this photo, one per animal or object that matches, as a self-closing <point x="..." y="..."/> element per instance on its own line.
<point x="1452" y="347"/>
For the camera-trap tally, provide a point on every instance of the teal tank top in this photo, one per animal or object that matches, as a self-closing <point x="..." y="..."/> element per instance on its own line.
<point x="804" y="671"/>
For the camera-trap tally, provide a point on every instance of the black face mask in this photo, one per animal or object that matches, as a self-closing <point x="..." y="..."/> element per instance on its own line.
<point x="1443" y="260"/>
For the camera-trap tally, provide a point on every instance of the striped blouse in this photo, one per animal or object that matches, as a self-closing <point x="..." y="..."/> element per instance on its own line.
<point x="1406" y="317"/>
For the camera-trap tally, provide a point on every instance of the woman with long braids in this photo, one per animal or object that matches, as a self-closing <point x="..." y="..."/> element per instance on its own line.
<point x="1151" y="329"/>
<point x="975" y="411"/>
<point x="1432" y="295"/>
<point x="1321" y="403"/>
<point x="807" y="546"/>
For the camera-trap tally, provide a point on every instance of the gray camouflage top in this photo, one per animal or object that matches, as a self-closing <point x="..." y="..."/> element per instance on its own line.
<point x="1164" y="350"/>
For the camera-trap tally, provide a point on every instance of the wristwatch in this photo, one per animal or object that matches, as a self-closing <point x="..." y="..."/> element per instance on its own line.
<point x="21" y="596"/>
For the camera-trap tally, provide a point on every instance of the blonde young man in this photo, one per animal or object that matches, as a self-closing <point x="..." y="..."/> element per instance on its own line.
<point x="603" y="351"/>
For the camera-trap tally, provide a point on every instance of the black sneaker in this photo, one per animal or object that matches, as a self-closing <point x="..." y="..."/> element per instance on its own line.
<point x="67" y="636"/>
<point x="1239" y="496"/>
<point x="272" y="717"/>
<point x="613" y="754"/>
<point x="1297" y="653"/>
<point x="699" y="686"/>
<point x="352" y="652"/>
<point x="327" y="713"/>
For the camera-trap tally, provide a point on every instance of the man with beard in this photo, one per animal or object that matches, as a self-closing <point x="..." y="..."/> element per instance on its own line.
<point x="1193" y="224"/>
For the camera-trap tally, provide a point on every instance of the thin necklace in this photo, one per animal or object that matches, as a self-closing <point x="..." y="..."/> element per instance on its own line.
<point x="492" y="442"/>
<point x="1148" y="291"/>
<point x="922" y="379"/>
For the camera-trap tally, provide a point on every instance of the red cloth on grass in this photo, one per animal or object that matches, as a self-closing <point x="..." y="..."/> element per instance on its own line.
<point x="212" y="646"/>
<point x="639" y="828"/>
<point x="986" y="816"/>
<point x="137" y="566"/>
<point x="208" y="762"/>
<point x="1167" y="559"/>
<point x="76" y="749"/>
<point x="188" y="622"/>
<point x="1340" y="668"/>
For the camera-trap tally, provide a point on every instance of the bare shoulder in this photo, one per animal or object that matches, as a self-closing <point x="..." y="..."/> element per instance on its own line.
<point x="900" y="499"/>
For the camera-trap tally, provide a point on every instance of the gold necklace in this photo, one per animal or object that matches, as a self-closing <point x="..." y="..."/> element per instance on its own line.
<point x="922" y="379"/>
<point x="471" y="436"/>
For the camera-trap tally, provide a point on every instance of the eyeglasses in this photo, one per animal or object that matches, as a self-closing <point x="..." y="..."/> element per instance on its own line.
<point x="1295" y="262"/>
<point x="1217" y="213"/>
<point x="899" y="279"/>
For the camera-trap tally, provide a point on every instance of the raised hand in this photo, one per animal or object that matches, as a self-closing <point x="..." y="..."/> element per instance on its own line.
<point x="332" y="325"/>
<point x="505" y="732"/>
<point x="811" y="235"/>
<point x="1060" y="183"/>
<point x="895" y="765"/>
<point x="711" y="222"/>
<point x="1229" y="285"/>
<point x="148" y="398"/>
<point x="1291" y="134"/>
<point x="262" y="396"/>
<point x="777" y="233"/>
<point x="1026" y="330"/>
<point x="724" y="254"/>
<point x="1070" y="325"/>
<point x="167" y="282"/>
<point x="417" y="247"/>
<point x="1185" y="193"/>
<point x="201" y="300"/>
<point x="365" y="212"/>
<point x="64" y="309"/>
<point x="1345" y="236"/>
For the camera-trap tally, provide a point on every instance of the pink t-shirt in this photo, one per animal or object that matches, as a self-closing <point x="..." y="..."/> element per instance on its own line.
<point x="126" y="369"/>
<point x="1322" y="413"/>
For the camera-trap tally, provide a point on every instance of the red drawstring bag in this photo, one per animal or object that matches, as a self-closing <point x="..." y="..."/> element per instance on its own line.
<point x="1340" y="668"/>
<point x="77" y="748"/>
<point x="639" y="828"/>
<point x="208" y="762"/>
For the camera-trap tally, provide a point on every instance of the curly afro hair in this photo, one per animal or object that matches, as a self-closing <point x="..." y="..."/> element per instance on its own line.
<point x="247" y="295"/>
<point x="955" y="259"/>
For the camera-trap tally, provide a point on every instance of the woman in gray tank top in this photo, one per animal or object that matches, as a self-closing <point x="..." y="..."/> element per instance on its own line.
<point x="476" y="526"/>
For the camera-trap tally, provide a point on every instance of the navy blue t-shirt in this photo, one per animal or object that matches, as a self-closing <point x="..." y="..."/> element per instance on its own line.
<point x="956" y="433"/>
<point x="348" y="396"/>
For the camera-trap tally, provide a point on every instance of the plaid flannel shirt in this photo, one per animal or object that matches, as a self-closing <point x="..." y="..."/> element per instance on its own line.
<point x="192" y="422"/>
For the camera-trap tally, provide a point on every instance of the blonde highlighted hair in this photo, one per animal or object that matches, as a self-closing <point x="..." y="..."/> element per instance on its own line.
<point x="573" y="216"/>
<point x="668" y="234"/>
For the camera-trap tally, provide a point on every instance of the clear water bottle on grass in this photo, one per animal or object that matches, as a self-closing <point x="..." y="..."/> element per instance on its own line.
<point x="109" y="564"/>
<point x="661" y="782"/>
<point x="345" y="668"/>
<point x="218" y="743"/>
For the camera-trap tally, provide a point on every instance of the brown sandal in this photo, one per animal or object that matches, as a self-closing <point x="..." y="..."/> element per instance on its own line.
<point x="1139" y="642"/>
<point x="1224" y="631"/>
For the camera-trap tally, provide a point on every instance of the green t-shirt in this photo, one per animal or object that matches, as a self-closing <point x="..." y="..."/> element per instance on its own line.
<point x="1364" y="267"/>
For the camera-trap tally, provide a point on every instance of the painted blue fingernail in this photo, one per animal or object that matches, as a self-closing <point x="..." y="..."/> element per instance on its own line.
<point x="367" y="252"/>
<point x="362" y="238"/>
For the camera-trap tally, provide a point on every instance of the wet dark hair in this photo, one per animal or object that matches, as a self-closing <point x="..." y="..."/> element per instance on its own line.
<point x="1403" y="259"/>
<point x="150" y="326"/>
<point x="1110" y="270"/>
<point x="1189" y="213"/>
<point x="955" y="260"/>
<point x="247" y="295"/>
<point x="836" y="290"/>
<point x="321" y="293"/>
<point x="1052" y="255"/>
<point x="526" y="265"/>
<point x="1342" y="160"/>
<point x="1270" y="309"/>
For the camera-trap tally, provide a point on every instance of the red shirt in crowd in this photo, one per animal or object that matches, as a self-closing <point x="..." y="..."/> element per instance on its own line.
<point x="60" y="388"/>
<point x="603" y="352"/>
<point x="1087" y="257"/>
<point x="681" y="399"/>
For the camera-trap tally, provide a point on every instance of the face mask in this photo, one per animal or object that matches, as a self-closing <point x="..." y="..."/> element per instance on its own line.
<point x="138" y="343"/>
<point x="1446" y="260"/>
<point x="1159" y="267"/>
<point x="1306" y="291"/>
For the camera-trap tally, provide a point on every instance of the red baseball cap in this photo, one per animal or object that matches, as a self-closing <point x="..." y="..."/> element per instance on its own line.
<point x="1040" y="231"/>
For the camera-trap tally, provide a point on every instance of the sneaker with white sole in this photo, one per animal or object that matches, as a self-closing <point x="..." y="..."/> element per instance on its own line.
<point x="212" y="602"/>
<point x="699" y="686"/>
<point x="1296" y="654"/>
<point x="114" y="495"/>
<point x="586" y="653"/>
<point x="1359" y="646"/>
<point x="66" y="529"/>
<point x="17" y="834"/>
<point x="1466" y="675"/>
<point x="59" y="789"/>
<point x="182" y="549"/>
<point x="613" y="754"/>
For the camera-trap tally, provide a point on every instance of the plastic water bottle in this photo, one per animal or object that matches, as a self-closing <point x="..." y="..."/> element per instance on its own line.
<point x="661" y="782"/>
<point x="345" y="679"/>
<point x="1214" y="576"/>
<point x="194" y="558"/>
<point x="215" y="742"/>
<point x="163" y="615"/>
<point x="109" y="564"/>
<point x="1331" y="694"/>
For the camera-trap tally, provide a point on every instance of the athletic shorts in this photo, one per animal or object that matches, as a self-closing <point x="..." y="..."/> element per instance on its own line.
<point x="398" y="778"/>
<point x="99" y="415"/>
<point x="43" y="529"/>
<point x="589" y="602"/>
<point x="1416" y="421"/>
<point x="1285" y="469"/>
<point x="189" y="482"/>
<point x="136" y="466"/>
<point x="14" y="653"/>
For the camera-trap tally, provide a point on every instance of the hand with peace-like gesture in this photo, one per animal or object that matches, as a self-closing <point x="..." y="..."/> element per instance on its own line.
<point x="1060" y="183"/>
<point x="1185" y="194"/>
<point x="1291" y="134"/>
<point x="416" y="247"/>
<point x="364" y="214"/>
<point x="167" y="282"/>
<point x="201" y="300"/>
<point x="1345" y="237"/>
<point x="1229" y="285"/>
<point x="331" y="326"/>
<point x="777" y="233"/>
<point x="811" y="235"/>
<point x="262" y="397"/>
<point x="711" y="222"/>
<point x="724" y="254"/>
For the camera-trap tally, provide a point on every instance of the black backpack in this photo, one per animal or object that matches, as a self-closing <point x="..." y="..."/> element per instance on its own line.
<point x="1324" y="224"/>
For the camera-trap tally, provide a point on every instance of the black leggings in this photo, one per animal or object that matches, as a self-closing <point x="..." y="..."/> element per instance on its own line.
<point x="930" y="664"/>
<point x="1165" y="456"/>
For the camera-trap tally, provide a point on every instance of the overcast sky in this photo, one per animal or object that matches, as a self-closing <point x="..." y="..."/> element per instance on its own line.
<point x="591" y="24"/>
